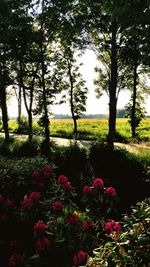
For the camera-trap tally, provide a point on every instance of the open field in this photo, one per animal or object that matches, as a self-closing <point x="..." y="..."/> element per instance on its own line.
<point x="92" y="129"/>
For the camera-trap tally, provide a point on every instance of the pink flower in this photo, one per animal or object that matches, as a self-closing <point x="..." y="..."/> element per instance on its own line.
<point x="72" y="219"/>
<point x="98" y="183"/>
<point x="15" y="259"/>
<point x="35" y="174"/>
<point x="62" y="179"/>
<point x="80" y="258"/>
<point x="87" y="190"/>
<point x="40" y="228"/>
<point x="57" y="206"/>
<point x="87" y="226"/>
<point x="43" y="244"/>
<point x="112" y="226"/>
<point x="110" y="191"/>
<point x="67" y="186"/>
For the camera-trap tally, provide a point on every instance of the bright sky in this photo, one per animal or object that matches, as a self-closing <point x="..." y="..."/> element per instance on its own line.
<point x="94" y="106"/>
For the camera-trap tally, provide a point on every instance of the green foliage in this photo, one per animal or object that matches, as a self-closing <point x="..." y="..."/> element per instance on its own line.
<point x="130" y="167"/>
<point x="22" y="178"/>
<point x="131" y="247"/>
<point x="23" y="127"/>
<point x="139" y="111"/>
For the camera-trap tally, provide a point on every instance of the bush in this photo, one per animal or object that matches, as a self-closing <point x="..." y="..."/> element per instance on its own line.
<point x="4" y="149"/>
<point x="131" y="247"/>
<point x="23" y="127"/>
<point x="40" y="222"/>
<point x="123" y="170"/>
<point x="26" y="149"/>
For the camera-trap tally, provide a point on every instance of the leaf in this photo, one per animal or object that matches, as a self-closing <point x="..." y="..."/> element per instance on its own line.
<point x="34" y="257"/>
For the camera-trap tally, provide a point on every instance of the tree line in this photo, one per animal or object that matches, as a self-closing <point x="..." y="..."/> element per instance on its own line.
<point x="40" y="41"/>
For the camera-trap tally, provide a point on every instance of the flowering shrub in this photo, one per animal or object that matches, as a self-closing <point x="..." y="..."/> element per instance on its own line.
<point x="45" y="215"/>
<point x="129" y="247"/>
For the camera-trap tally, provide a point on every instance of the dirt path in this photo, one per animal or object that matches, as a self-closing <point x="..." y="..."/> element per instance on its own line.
<point x="133" y="148"/>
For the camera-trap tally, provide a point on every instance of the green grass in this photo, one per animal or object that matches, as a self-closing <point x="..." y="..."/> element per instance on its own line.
<point x="92" y="129"/>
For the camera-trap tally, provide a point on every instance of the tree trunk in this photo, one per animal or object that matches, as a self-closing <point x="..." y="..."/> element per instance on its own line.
<point x="113" y="87"/>
<point x="46" y="118"/>
<point x="133" y="117"/>
<point x="19" y="106"/>
<point x="30" y="126"/>
<point x="75" y="131"/>
<point x="4" y="113"/>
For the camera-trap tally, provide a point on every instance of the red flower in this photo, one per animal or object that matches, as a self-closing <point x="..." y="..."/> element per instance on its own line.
<point x="72" y="219"/>
<point x="40" y="228"/>
<point x="57" y="206"/>
<point x="62" y="179"/>
<point x="40" y="183"/>
<point x="43" y="244"/>
<point x="47" y="171"/>
<point x="87" y="190"/>
<point x="29" y="201"/>
<point x="80" y="258"/>
<point x="35" y="174"/>
<point x="87" y="226"/>
<point x="35" y="196"/>
<point x="15" y="259"/>
<point x="26" y="203"/>
<point x="110" y="191"/>
<point x="112" y="226"/>
<point x="98" y="183"/>
<point x="9" y="202"/>
<point x="67" y="186"/>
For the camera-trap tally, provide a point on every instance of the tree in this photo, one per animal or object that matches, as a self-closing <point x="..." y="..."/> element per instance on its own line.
<point x="75" y="86"/>
<point x="139" y="113"/>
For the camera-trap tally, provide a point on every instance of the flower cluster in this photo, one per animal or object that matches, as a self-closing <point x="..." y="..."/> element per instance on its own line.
<point x="43" y="244"/>
<point x="47" y="171"/>
<point x="7" y="202"/>
<point x="63" y="181"/>
<point x="39" y="228"/>
<point x="98" y="183"/>
<point x="112" y="227"/>
<point x="15" y="259"/>
<point x="41" y="178"/>
<point x="111" y="192"/>
<point x="30" y="200"/>
<point x="80" y="258"/>
<point x="87" y="226"/>
<point x="57" y="206"/>
<point x="72" y="219"/>
<point x="87" y="190"/>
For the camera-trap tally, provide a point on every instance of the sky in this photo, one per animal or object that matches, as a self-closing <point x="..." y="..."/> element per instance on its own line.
<point x="94" y="106"/>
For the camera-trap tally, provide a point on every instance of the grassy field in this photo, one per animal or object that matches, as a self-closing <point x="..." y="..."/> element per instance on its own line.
<point x="92" y="129"/>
